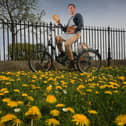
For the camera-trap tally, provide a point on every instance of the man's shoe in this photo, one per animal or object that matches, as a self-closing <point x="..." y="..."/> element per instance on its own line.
<point x="61" y="57"/>
<point x="71" y="65"/>
<point x="61" y="54"/>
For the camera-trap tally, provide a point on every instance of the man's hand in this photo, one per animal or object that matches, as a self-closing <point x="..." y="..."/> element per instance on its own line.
<point x="71" y="29"/>
<point x="56" y="18"/>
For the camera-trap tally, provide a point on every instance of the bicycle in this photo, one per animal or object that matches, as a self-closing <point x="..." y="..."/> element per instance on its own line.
<point x="87" y="60"/>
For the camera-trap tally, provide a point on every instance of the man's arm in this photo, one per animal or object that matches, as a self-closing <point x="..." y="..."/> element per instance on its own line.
<point x="78" y="19"/>
<point x="63" y="28"/>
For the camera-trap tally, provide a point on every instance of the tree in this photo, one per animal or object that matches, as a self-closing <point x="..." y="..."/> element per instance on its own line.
<point x="17" y="11"/>
<point x="24" y="50"/>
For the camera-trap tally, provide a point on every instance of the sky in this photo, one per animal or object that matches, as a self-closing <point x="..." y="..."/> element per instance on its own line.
<point x="95" y="12"/>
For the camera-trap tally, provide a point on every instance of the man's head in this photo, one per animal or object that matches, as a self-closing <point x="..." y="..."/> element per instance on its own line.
<point x="72" y="9"/>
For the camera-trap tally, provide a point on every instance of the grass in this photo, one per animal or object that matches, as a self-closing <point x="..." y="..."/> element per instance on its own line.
<point x="99" y="97"/>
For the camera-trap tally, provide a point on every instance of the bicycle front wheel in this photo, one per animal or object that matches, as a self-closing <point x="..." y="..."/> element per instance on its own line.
<point x="89" y="61"/>
<point x="40" y="61"/>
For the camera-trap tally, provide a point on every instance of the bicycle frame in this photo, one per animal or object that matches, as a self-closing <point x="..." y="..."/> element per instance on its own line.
<point x="52" y="48"/>
<point x="76" y="55"/>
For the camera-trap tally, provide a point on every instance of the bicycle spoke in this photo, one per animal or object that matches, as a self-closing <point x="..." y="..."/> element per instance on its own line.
<point x="89" y="61"/>
<point x="40" y="61"/>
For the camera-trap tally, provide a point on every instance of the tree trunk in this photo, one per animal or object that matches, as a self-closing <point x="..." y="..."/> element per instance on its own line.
<point x="13" y="40"/>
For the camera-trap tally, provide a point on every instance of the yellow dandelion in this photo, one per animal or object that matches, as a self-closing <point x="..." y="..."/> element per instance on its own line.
<point x="60" y="105"/>
<point x="113" y="84"/>
<point x="52" y="122"/>
<point x="89" y="90"/>
<point x="72" y="81"/>
<point x="1" y="94"/>
<point x="62" y="76"/>
<point x="33" y="81"/>
<point x="3" y="89"/>
<point x="7" y="83"/>
<point x="16" y="90"/>
<point x="124" y="82"/>
<point x="24" y="94"/>
<point x="121" y="78"/>
<point x="51" y="99"/>
<point x="12" y="104"/>
<point x="49" y="88"/>
<point x="124" y="87"/>
<point x="8" y="117"/>
<point x="34" y="77"/>
<point x="63" y="82"/>
<point x="4" y="78"/>
<point x="45" y="81"/>
<point x="18" y="79"/>
<point x="80" y="89"/>
<point x="103" y="86"/>
<point x="33" y="113"/>
<point x="81" y="120"/>
<point x="96" y="92"/>
<point x="69" y="109"/>
<point x="81" y="86"/>
<point x="115" y="91"/>
<point x="30" y="98"/>
<point x="5" y="92"/>
<point x="51" y="79"/>
<point x="92" y="112"/>
<point x="24" y="85"/>
<point x="38" y="87"/>
<point x="20" y="102"/>
<point x="6" y="100"/>
<point x="59" y="87"/>
<point x="120" y="120"/>
<point x="108" y="92"/>
<point x="54" y="112"/>
<point x="33" y="86"/>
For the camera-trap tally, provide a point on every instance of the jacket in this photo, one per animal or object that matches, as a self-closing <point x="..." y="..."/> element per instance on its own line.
<point x="78" y="20"/>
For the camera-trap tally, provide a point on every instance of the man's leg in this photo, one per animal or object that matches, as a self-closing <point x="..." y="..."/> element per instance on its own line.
<point x="59" y="41"/>
<point x="68" y="45"/>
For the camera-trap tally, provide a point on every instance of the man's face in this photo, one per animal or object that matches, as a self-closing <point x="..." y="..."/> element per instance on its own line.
<point x="71" y="10"/>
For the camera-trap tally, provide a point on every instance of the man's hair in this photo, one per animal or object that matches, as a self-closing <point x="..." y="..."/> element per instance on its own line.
<point x="71" y="4"/>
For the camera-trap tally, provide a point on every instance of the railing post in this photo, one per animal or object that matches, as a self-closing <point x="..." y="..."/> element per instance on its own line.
<point x="0" y="54"/>
<point x="3" y="23"/>
<point x="50" y="27"/>
<point x="109" y="52"/>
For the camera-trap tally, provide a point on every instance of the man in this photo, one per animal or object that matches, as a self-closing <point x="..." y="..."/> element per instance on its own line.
<point x="70" y="35"/>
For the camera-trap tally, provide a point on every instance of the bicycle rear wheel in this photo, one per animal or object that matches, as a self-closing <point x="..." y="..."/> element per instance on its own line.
<point x="89" y="61"/>
<point x="40" y="61"/>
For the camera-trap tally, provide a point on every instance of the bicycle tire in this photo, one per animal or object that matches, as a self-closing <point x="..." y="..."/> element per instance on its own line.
<point x="89" y="61"/>
<point x="40" y="61"/>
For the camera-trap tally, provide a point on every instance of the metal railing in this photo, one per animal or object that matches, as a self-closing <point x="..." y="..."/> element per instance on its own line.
<point x="17" y="41"/>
